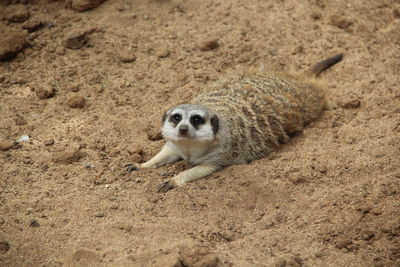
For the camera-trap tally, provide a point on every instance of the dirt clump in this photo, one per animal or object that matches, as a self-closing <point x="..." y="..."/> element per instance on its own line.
<point x="76" y="101"/>
<point x="11" y="42"/>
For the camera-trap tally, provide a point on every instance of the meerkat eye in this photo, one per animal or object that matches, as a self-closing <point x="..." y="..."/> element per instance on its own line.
<point x="176" y="117"/>
<point x="197" y="120"/>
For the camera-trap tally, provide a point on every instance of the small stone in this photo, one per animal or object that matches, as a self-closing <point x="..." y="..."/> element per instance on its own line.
<point x="296" y="178"/>
<point x="138" y="150"/>
<point x="343" y="243"/>
<point x="341" y="22"/>
<point x="84" y="5"/>
<point x="364" y="209"/>
<point x="32" y="26"/>
<point x="34" y="223"/>
<point x="316" y="16"/>
<point x="154" y="135"/>
<point x="23" y="139"/>
<point x="49" y="142"/>
<point x="209" y="45"/>
<point x="68" y="156"/>
<point x="322" y="168"/>
<point x="396" y="13"/>
<point x="126" y="56"/>
<point x="376" y="211"/>
<point x="352" y="104"/>
<point x="45" y="91"/>
<point x="74" y="88"/>
<point x="6" y="145"/>
<point x="367" y="235"/>
<point x="11" y="42"/>
<point x="163" y="53"/>
<point x="60" y="50"/>
<point x="77" y="39"/>
<point x="4" y="247"/>
<point x="76" y="101"/>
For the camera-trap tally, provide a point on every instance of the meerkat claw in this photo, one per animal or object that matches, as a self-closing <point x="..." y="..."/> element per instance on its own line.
<point x="131" y="167"/>
<point x="166" y="186"/>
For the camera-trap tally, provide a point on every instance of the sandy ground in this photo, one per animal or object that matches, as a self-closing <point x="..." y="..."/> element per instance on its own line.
<point x="90" y="89"/>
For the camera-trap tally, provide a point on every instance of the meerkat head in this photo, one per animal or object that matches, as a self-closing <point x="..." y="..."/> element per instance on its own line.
<point x="190" y="123"/>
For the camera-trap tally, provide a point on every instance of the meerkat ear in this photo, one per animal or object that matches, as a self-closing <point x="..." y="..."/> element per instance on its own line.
<point x="214" y="123"/>
<point x="165" y="115"/>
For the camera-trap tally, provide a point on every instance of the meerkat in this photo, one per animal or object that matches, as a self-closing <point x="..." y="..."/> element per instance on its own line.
<point x="247" y="118"/>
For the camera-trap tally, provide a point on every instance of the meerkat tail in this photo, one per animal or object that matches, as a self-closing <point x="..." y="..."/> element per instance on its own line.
<point x="323" y="65"/>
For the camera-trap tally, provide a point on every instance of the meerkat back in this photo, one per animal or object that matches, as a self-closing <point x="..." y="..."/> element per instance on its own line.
<point x="257" y="113"/>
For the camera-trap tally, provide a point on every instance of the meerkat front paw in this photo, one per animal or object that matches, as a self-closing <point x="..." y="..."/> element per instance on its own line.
<point x="166" y="186"/>
<point x="130" y="167"/>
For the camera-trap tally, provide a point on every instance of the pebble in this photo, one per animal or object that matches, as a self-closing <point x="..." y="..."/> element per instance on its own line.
<point x="6" y="145"/>
<point x="163" y="53"/>
<point x="32" y="26"/>
<point x="343" y="243"/>
<point x="74" y="88"/>
<point x="316" y="16"/>
<point x="23" y="138"/>
<point x="341" y="22"/>
<point x="126" y="56"/>
<point x="154" y="135"/>
<point x="34" y="223"/>
<point x="4" y="246"/>
<point x="44" y="92"/>
<point x="209" y="45"/>
<point x="11" y="42"/>
<point x="322" y="168"/>
<point x="77" y="39"/>
<point x="84" y="5"/>
<point x="68" y="156"/>
<point x="352" y="104"/>
<point x="296" y="178"/>
<point x="60" y="50"/>
<point x="396" y="13"/>
<point x="49" y="142"/>
<point x="138" y="150"/>
<point x="76" y="101"/>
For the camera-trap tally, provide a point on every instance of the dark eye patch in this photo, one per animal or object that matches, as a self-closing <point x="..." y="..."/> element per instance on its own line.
<point x="197" y="120"/>
<point x="175" y="118"/>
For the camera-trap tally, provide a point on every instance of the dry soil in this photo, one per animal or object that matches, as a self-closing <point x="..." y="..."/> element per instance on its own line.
<point x="89" y="89"/>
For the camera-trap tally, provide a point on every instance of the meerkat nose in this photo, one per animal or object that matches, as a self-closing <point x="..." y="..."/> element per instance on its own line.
<point x="183" y="129"/>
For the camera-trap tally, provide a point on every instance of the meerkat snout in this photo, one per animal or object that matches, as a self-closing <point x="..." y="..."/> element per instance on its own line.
<point x="183" y="129"/>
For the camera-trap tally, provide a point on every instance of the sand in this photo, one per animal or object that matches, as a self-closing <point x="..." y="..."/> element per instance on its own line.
<point x="89" y="89"/>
